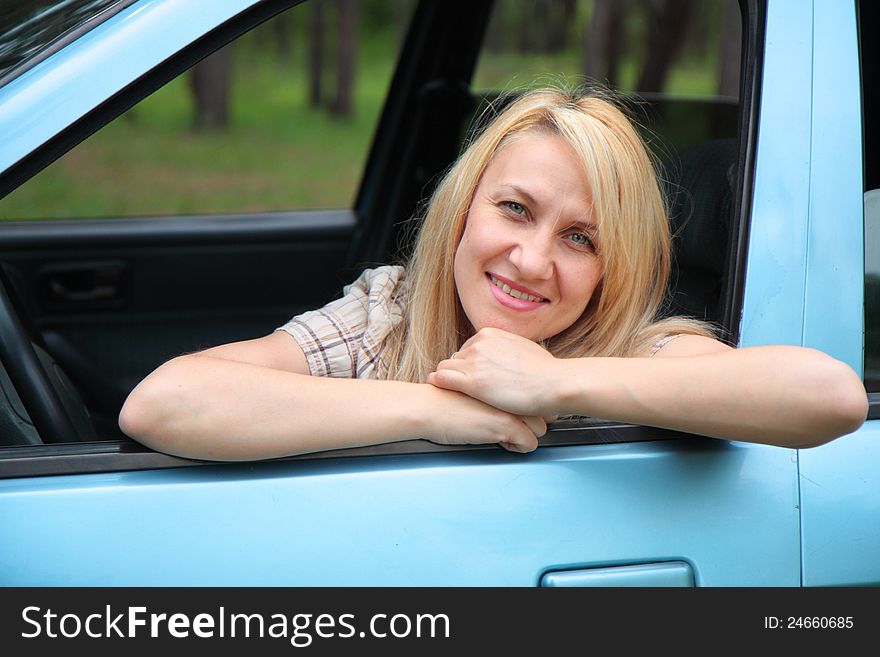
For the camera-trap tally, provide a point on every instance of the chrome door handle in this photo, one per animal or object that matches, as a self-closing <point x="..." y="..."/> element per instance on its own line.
<point x="668" y="573"/>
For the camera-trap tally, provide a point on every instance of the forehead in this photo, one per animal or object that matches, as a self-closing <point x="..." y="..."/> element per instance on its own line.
<point x="542" y="164"/>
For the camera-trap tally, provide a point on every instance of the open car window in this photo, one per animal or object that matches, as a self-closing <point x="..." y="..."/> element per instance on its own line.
<point x="274" y="123"/>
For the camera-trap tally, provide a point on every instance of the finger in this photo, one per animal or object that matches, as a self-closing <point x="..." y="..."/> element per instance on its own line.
<point x="470" y="342"/>
<point x="449" y="379"/>
<point x="519" y="436"/>
<point x="550" y="418"/>
<point x="536" y="424"/>
<point x="452" y="364"/>
<point x="521" y="445"/>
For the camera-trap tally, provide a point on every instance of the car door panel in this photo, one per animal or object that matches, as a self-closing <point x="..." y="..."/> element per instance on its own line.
<point x="480" y="517"/>
<point x="840" y="511"/>
<point x="186" y="284"/>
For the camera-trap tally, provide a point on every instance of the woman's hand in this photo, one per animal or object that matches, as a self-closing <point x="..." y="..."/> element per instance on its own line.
<point x="505" y="370"/>
<point x="457" y="419"/>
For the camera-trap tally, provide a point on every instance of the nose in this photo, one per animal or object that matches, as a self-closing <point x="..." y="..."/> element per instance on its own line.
<point x="533" y="256"/>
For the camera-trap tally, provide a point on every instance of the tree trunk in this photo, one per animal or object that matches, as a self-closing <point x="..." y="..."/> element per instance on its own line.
<point x="210" y="82"/>
<point x="496" y="32"/>
<point x="731" y="43"/>
<point x="604" y="41"/>
<point x="569" y="12"/>
<point x="316" y="54"/>
<point x="559" y="19"/>
<point x="668" y="21"/>
<point x="346" y="46"/>
<point x="526" y="41"/>
<point x="283" y="30"/>
<point x="542" y="25"/>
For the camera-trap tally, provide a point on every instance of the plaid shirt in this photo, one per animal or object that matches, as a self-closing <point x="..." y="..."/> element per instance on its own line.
<point x="346" y="337"/>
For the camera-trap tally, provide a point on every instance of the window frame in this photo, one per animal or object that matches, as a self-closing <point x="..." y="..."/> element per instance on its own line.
<point x="65" y="38"/>
<point x="870" y="173"/>
<point x="371" y="234"/>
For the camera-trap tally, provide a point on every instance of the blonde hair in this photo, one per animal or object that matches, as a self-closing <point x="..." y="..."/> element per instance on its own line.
<point x="621" y="317"/>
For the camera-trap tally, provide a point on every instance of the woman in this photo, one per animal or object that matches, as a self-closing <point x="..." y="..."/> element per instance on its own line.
<point x="533" y="292"/>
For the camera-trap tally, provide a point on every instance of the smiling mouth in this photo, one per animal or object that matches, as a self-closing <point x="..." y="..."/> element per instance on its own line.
<point x="516" y="294"/>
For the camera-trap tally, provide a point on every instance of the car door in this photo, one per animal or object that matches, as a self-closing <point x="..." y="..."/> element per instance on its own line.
<point x="599" y="502"/>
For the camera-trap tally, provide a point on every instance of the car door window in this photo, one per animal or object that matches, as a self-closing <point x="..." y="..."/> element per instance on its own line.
<point x="287" y="142"/>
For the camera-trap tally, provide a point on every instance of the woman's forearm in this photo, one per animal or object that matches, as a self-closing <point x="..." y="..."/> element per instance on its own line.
<point x="787" y="396"/>
<point x="212" y="408"/>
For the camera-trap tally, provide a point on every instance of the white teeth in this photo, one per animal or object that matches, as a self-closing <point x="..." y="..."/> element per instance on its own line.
<point x="514" y="293"/>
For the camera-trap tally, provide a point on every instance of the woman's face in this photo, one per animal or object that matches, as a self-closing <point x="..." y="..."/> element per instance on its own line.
<point x="528" y="261"/>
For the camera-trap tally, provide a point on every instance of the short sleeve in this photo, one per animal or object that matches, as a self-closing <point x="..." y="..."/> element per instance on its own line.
<point x="346" y="337"/>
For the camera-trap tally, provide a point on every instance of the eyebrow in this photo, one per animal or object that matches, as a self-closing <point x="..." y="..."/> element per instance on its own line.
<point x="522" y="192"/>
<point x="586" y="226"/>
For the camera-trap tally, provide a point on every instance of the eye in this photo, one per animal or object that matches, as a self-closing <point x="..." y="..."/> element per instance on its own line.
<point x="516" y="208"/>
<point x="581" y="240"/>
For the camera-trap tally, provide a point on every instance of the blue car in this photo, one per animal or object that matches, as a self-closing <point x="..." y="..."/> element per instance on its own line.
<point x="775" y="188"/>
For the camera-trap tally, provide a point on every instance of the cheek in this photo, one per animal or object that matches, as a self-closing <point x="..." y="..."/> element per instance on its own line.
<point x="483" y="238"/>
<point x="581" y="284"/>
<point x="469" y="251"/>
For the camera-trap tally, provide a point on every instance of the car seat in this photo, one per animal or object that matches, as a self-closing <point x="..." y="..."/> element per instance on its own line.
<point x="699" y="185"/>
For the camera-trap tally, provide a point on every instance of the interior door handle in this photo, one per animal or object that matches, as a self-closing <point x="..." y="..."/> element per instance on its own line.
<point x="97" y="293"/>
<point x="668" y="573"/>
<point x="89" y="284"/>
